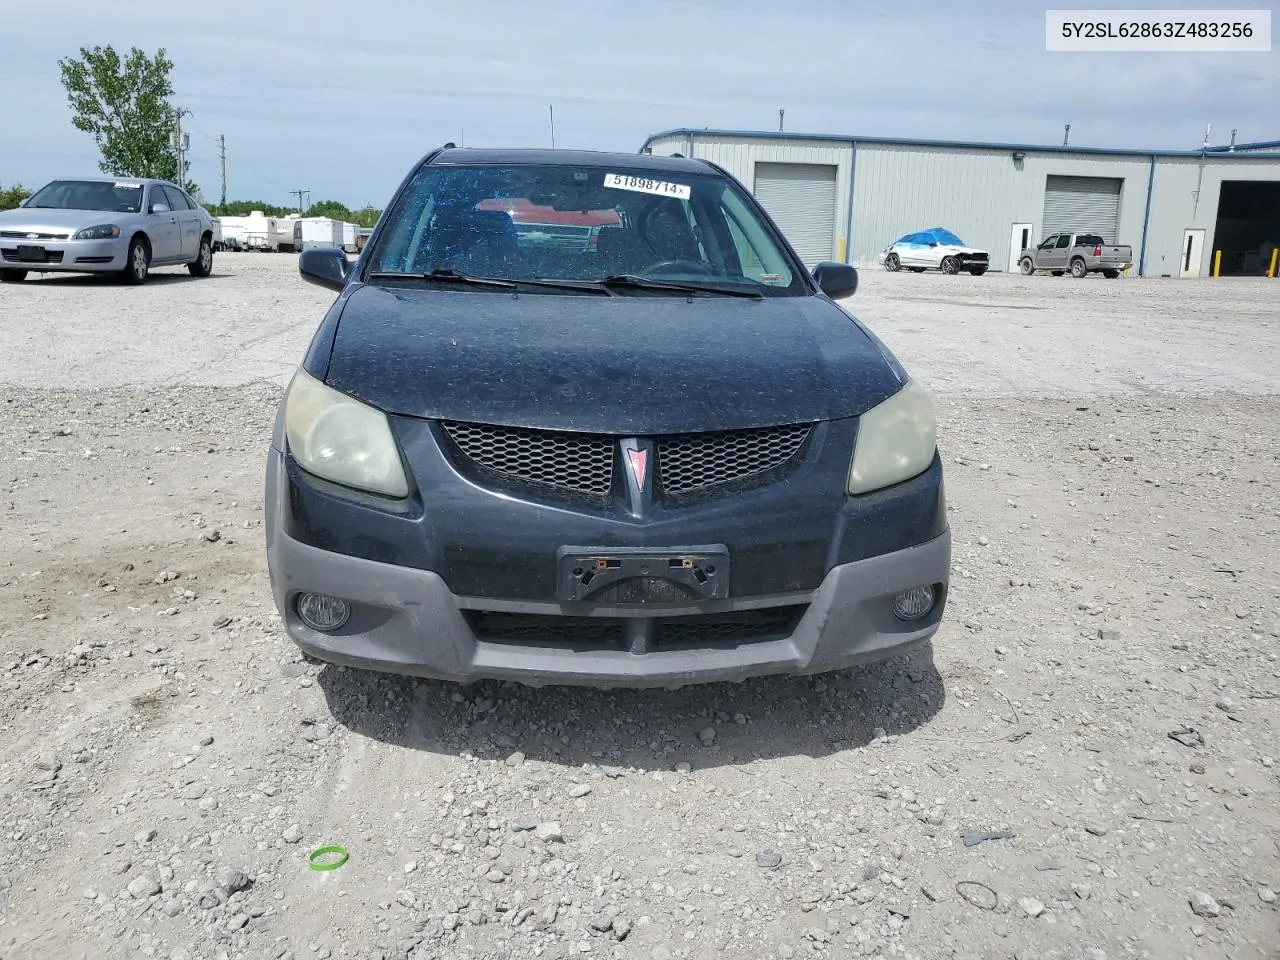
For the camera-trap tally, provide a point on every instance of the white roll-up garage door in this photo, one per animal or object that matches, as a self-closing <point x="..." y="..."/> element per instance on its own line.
<point x="1082" y="205"/>
<point x="801" y="198"/>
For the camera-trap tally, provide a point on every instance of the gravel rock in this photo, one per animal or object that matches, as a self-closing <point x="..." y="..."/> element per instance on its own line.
<point x="1031" y="906"/>
<point x="232" y="879"/>
<point x="1203" y="905"/>
<point x="142" y="886"/>
<point x="292" y="833"/>
<point x="549" y="832"/>
<point x="580" y="790"/>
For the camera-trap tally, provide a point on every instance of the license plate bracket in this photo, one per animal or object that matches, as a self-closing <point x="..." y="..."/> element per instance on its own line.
<point x="702" y="571"/>
<point x="30" y="253"/>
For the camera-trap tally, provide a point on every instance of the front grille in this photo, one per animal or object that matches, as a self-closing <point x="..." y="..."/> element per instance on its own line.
<point x="536" y="629"/>
<point x="698" y="631"/>
<point x="582" y="462"/>
<point x="693" y="461"/>
<point x="24" y="235"/>
<point x="50" y="256"/>
<point x="710" y="629"/>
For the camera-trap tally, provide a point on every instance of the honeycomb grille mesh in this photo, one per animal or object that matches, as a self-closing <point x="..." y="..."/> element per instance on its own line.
<point x="582" y="462"/>
<point x="692" y="461"/>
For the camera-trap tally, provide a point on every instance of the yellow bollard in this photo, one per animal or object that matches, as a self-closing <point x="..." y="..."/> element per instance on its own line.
<point x="841" y="257"/>
<point x="1271" y="270"/>
<point x="1217" y="261"/>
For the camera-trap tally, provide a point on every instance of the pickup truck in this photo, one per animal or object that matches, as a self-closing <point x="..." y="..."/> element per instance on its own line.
<point x="1079" y="253"/>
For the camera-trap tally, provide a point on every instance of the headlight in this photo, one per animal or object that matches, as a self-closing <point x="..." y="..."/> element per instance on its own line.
<point x="103" y="232"/>
<point x="896" y="440"/>
<point x="341" y="439"/>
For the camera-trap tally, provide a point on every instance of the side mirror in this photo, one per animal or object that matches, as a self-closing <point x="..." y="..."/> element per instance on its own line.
<point x="836" y="280"/>
<point x="160" y="208"/>
<point x="325" y="267"/>
<point x="23" y="201"/>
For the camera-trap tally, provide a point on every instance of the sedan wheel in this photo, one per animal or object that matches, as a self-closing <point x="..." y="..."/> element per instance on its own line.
<point x="950" y="265"/>
<point x="138" y="264"/>
<point x="202" y="266"/>
<point x="892" y="263"/>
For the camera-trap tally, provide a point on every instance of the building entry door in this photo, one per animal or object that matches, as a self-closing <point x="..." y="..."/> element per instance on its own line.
<point x="1192" y="253"/>
<point x="1019" y="240"/>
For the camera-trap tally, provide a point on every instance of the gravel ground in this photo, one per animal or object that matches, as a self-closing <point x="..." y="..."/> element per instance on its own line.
<point x="1083" y="766"/>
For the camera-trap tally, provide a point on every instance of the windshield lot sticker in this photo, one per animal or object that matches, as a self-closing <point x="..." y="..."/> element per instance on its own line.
<point x="127" y="186"/>
<point x="640" y="185"/>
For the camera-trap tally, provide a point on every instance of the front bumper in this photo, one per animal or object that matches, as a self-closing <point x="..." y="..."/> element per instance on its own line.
<point x="68" y="256"/>
<point x="407" y="620"/>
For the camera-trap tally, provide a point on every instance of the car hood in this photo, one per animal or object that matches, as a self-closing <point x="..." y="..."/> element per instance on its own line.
<point x="41" y="220"/>
<point x="632" y="364"/>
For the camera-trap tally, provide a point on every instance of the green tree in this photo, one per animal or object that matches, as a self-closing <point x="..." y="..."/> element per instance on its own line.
<point x="10" y="197"/>
<point x="125" y="105"/>
<point x="366" y="217"/>
<point x="242" y="208"/>
<point x="333" y="209"/>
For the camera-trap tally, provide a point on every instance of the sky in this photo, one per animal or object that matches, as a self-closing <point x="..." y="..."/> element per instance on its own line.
<point x="341" y="99"/>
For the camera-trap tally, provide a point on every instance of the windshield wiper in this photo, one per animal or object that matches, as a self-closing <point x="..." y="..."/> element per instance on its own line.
<point x="453" y="276"/>
<point x="644" y="283"/>
<point x="447" y="276"/>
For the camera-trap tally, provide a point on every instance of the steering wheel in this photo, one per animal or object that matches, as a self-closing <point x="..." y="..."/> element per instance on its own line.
<point x="679" y="266"/>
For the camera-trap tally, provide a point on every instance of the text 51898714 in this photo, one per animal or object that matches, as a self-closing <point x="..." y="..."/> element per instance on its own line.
<point x="1158" y="30"/>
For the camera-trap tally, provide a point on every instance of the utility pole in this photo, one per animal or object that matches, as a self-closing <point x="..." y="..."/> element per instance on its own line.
<point x="553" y="125"/>
<point x="1066" y="132"/>
<point x="781" y="114"/>
<point x="298" y="194"/>
<point x="179" y="145"/>
<point x="222" y="155"/>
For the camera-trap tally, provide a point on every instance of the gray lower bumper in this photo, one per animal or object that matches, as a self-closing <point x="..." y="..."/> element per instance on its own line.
<point x="78" y="256"/>
<point x="407" y="621"/>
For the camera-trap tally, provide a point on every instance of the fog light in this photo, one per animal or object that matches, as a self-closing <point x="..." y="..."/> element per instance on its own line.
<point x="322" y="613"/>
<point x="914" y="603"/>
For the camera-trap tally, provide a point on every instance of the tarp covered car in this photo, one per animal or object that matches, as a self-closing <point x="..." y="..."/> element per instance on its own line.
<point x="934" y="249"/>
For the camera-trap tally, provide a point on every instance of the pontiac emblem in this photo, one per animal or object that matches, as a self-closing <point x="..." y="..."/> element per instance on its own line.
<point x="638" y="459"/>
<point x="33" y="236"/>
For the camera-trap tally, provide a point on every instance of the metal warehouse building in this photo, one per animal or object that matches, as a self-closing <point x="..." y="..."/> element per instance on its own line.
<point x="846" y="198"/>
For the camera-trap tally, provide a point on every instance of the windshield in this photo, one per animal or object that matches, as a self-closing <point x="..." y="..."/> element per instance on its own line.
<point x="122" y="196"/>
<point x="565" y="222"/>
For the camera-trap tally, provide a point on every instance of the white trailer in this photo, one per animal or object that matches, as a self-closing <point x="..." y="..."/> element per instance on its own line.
<point x="319" y="232"/>
<point x="257" y="231"/>
<point x="349" y="233"/>
<point x="232" y="233"/>
<point x="284" y="232"/>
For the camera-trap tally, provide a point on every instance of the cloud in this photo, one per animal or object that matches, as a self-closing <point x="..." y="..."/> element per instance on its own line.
<point x="342" y="99"/>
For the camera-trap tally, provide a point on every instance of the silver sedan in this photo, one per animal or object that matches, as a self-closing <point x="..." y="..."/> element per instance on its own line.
<point x="118" y="225"/>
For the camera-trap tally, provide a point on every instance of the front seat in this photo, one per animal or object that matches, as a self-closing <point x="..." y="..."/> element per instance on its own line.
<point x="478" y="242"/>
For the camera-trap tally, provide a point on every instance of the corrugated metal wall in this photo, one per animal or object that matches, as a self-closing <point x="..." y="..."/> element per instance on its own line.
<point x="981" y="192"/>
<point x="976" y="193"/>
<point x="739" y="156"/>
<point x="1176" y="208"/>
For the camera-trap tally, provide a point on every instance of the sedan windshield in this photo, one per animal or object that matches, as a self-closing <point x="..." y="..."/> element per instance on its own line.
<point x="586" y="224"/>
<point x="121" y="196"/>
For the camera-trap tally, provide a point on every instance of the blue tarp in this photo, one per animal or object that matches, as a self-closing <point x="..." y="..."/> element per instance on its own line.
<point x="936" y="235"/>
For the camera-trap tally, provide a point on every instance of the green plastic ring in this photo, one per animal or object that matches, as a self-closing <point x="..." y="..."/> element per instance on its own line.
<point x="317" y="864"/>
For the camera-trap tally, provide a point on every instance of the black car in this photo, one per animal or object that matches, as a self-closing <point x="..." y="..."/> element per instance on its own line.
<point x="624" y="438"/>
